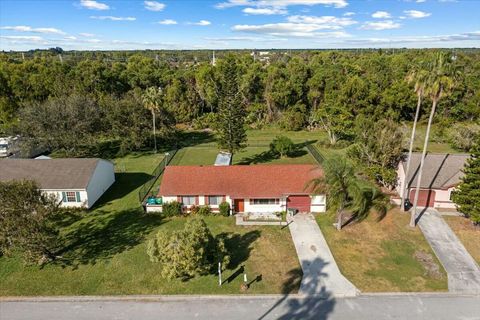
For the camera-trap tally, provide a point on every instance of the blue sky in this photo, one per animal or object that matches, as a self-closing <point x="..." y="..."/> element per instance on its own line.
<point x="223" y="24"/>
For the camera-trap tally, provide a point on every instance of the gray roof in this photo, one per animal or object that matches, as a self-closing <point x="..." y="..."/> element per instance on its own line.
<point x="440" y="171"/>
<point x="72" y="173"/>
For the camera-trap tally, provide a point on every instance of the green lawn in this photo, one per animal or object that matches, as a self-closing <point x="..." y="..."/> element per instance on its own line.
<point x="104" y="250"/>
<point x="384" y="256"/>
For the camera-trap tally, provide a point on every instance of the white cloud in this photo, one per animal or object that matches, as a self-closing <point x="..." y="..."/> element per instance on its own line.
<point x="85" y="34"/>
<point x="94" y="5"/>
<point x="349" y="14"/>
<point x="380" y="25"/>
<point x="112" y="18"/>
<point x="301" y="27"/>
<point x="23" y="38"/>
<point x="264" y="11"/>
<point x="201" y="23"/>
<point x="323" y="22"/>
<point x="154" y="5"/>
<point x="280" y="3"/>
<point x="381" y="15"/>
<point x="422" y="40"/>
<point x="416" y="14"/>
<point x="30" y="29"/>
<point x="420" y="1"/>
<point x="167" y="22"/>
<point x="71" y="38"/>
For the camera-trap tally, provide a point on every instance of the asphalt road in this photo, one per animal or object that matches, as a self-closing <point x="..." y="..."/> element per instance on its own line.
<point x="242" y="308"/>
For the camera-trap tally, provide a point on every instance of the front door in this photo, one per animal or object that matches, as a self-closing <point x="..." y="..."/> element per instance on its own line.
<point x="239" y="205"/>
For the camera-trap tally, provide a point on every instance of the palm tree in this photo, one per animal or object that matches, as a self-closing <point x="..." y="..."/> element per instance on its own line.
<point x="440" y="83"/>
<point x="419" y="77"/>
<point x="345" y="190"/>
<point x="151" y="101"/>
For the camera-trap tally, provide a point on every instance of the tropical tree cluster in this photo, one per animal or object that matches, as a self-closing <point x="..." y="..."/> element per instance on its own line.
<point x="188" y="252"/>
<point x="294" y="90"/>
<point x="27" y="222"/>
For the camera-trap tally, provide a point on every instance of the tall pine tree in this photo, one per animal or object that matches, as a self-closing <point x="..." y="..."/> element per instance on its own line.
<point x="467" y="196"/>
<point x="231" y="133"/>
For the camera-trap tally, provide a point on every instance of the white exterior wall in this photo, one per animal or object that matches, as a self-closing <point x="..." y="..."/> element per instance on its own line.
<point x="201" y="202"/>
<point x="58" y="194"/>
<point x="266" y="208"/>
<point x="103" y="177"/>
<point x="318" y="203"/>
<point x="442" y="199"/>
<point x="400" y="180"/>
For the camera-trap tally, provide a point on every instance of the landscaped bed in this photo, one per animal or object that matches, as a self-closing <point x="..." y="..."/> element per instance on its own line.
<point x="468" y="234"/>
<point x="384" y="256"/>
<point x="104" y="250"/>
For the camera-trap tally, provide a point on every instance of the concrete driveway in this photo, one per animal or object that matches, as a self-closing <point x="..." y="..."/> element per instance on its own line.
<point x="462" y="270"/>
<point x="321" y="275"/>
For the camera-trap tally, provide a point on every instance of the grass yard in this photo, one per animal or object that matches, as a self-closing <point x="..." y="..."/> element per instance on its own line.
<point x="384" y="256"/>
<point x="467" y="233"/>
<point x="104" y="250"/>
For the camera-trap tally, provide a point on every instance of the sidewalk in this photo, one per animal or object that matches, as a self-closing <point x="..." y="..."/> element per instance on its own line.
<point x="462" y="270"/>
<point x="320" y="271"/>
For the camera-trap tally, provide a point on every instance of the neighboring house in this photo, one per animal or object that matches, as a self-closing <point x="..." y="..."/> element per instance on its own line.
<point x="75" y="182"/>
<point x="441" y="174"/>
<point x="247" y="188"/>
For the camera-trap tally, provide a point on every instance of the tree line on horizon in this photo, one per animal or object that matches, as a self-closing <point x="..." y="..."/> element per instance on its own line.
<point x="61" y="103"/>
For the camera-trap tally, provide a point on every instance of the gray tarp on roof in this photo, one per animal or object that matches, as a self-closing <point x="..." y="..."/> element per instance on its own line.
<point x="73" y="173"/>
<point x="439" y="172"/>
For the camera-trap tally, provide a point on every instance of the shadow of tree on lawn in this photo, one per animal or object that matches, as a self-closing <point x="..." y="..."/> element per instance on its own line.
<point x="317" y="303"/>
<point x="268" y="156"/>
<point x="105" y="235"/>
<point x="239" y="246"/>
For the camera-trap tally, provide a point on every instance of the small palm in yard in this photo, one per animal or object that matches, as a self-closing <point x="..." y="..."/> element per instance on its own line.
<point x="346" y="191"/>
<point x="151" y="101"/>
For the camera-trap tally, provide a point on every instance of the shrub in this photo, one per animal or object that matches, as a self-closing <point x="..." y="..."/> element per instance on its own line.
<point x="462" y="136"/>
<point x="204" y="210"/>
<point x="224" y="208"/>
<point x="282" y="146"/>
<point x="188" y="252"/>
<point x="294" y="118"/>
<point x="171" y="209"/>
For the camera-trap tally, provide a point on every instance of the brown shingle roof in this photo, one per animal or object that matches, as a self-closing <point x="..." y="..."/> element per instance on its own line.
<point x="238" y="181"/>
<point x="72" y="173"/>
<point x="441" y="171"/>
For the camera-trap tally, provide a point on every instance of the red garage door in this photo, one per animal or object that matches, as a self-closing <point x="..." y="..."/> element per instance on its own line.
<point x="302" y="203"/>
<point x="426" y="198"/>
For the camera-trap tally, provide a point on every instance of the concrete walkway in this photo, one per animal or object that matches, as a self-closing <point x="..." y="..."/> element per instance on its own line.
<point x="462" y="270"/>
<point x="321" y="275"/>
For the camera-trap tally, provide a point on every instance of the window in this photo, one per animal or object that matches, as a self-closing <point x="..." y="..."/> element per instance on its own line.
<point x="71" y="196"/>
<point x="188" y="200"/>
<point x="215" y="200"/>
<point x="265" y="201"/>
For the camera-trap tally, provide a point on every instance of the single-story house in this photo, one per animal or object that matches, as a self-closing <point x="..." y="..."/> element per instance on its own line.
<point x="247" y="188"/>
<point x="75" y="182"/>
<point x="441" y="174"/>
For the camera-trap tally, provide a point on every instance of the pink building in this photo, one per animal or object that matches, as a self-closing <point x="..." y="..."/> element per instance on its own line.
<point x="441" y="174"/>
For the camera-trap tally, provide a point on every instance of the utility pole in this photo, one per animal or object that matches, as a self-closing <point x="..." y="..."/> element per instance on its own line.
<point x="60" y="57"/>
<point x="214" y="61"/>
<point x="23" y="56"/>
